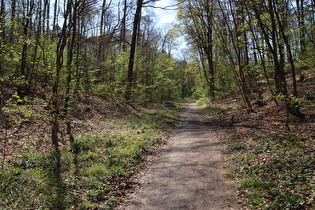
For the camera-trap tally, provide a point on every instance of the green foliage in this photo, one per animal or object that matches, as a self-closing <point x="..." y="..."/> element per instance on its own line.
<point x="225" y="82"/>
<point x="95" y="195"/>
<point x="211" y="109"/>
<point x="98" y="171"/>
<point x="254" y="183"/>
<point x="82" y="143"/>
<point x="161" y="119"/>
<point x="27" y="189"/>
<point x="278" y="172"/>
<point x="93" y="167"/>
<point x="166" y="81"/>
<point x="85" y="205"/>
<point x="43" y="161"/>
<point x="292" y="100"/>
<point x="35" y="160"/>
<point x="23" y="110"/>
<point x="203" y="101"/>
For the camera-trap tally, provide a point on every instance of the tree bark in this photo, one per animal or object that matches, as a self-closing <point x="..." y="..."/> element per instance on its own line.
<point x="2" y="44"/>
<point x="61" y="45"/>
<point x="276" y="48"/>
<point x="123" y="27"/>
<point x="136" y="24"/>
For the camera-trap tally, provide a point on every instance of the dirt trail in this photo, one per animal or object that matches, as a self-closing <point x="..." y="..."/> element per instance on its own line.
<point x="187" y="175"/>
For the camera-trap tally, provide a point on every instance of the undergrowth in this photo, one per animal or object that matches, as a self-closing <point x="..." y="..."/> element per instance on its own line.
<point x="273" y="168"/>
<point x="94" y="168"/>
<point x="275" y="171"/>
<point x="212" y="109"/>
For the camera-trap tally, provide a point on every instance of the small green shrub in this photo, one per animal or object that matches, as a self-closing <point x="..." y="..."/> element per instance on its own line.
<point x="115" y="140"/>
<point x="89" y="156"/>
<point x="88" y="181"/>
<point x="83" y="143"/>
<point x="23" y="189"/>
<point x="99" y="171"/>
<point x="14" y="142"/>
<point x="203" y="101"/>
<point x="255" y="183"/>
<point x="85" y="205"/>
<point x="109" y="143"/>
<point x="35" y="160"/>
<point x="114" y="160"/>
<point x="95" y="195"/>
<point x="237" y="147"/>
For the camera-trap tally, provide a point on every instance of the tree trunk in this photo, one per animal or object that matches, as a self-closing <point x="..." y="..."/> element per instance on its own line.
<point x="275" y="48"/>
<point x="136" y="24"/>
<point x="123" y="27"/>
<point x="13" y="15"/>
<point x="61" y="45"/>
<point x="302" y="31"/>
<point x="55" y="18"/>
<point x="73" y="20"/>
<point x="2" y="44"/>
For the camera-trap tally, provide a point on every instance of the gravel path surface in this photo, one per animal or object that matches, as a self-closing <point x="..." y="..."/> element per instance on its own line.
<point x="188" y="173"/>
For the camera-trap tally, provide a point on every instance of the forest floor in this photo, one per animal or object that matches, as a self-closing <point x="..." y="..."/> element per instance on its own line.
<point x="122" y="154"/>
<point x="270" y="154"/>
<point x="230" y="158"/>
<point x="112" y="141"/>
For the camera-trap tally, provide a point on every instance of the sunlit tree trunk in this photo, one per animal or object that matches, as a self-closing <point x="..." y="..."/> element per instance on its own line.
<point x="61" y="45"/>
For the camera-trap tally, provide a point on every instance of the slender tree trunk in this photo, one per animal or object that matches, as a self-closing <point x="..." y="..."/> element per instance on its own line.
<point x="24" y="70"/>
<point x="45" y="18"/>
<point x="211" y="68"/>
<point x="136" y="24"/>
<point x="33" y="68"/>
<point x="55" y="18"/>
<point x="101" y="43"/>
<point x="209" y="47"/>
<point x="123" y="27"/>
<point x="61" y="45"/>
<point x="204" y="68"/>
<point x="290" y="56"/>
<point x="2" y="44"/>
<point x="13" y="16"/>
<point x="240" y="50"/>
<point x="302" y="30"/>
<point x="263" y="63"/>
<point x="277" y="47"/>
<point x="70" y="52"/>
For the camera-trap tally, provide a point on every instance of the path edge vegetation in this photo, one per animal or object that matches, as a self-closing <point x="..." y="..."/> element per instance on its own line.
<point x="93" y="170"/>
<point x="57" y="55"/>
<point x="269" y="155"/>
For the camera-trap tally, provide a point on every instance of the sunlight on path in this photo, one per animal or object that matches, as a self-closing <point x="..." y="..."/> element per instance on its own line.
<point x="187" y="174"/>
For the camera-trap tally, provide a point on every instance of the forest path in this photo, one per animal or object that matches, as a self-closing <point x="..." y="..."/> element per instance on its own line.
<point x="188" y="173"/>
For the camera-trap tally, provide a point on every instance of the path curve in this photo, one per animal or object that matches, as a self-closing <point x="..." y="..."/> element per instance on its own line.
<point x="187" y="175"/>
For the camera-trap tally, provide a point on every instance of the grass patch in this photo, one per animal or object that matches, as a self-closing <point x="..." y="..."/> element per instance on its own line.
<point x="94" y="168"/>
<point x="210" y="109"/>
<point x="82" y="143"/>
<point x="276" y="172"/>
<point x="203" y="101"/>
